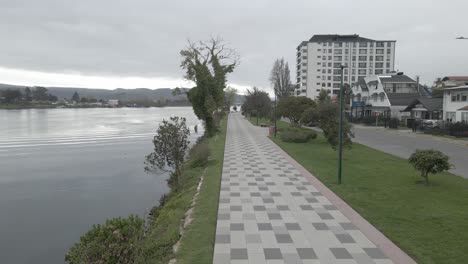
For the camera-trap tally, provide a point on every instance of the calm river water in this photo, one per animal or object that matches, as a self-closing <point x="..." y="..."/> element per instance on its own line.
<point x="63" y="170"/>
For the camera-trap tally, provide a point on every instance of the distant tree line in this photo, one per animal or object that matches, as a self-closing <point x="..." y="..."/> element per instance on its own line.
<point x="16" y="96"/>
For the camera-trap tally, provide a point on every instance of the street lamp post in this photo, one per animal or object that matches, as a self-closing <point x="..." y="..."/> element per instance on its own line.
<point x="340" y="127"/>
<point x="275" y="114"/>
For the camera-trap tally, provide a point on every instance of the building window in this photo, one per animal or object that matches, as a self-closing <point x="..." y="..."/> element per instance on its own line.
<point x="318" y="83"/>
<point x="362" y="51"/>
<point x="338" y="45"/>
<point x="378" y="58"/>
<point x="370" y="72"/>
<point x="362" y="65"/>
<point x="378" y="71"/>
<point x="346" y="78"/>
<point x="319" y="49"/>
<point x="371" y="44"/>
<point x="318" y="77"/>
<point x="329" y="64"/>
<point x="362" y="72"/>
<point x="389" y="44"/>
<point x="323" y="84"/>
<point x="304" y="71"/>
<point x="450" y="116"/>
<point x="354" y="52"/>
<point x="329" y="78"/>
<point x="329" y="84"/>
<point x="336" y="78"/>
<point x="324" y="71"/>
<point x="329" y="50"/>
<point x="388" y="64"/>
<point x="318" y="63"/>
<point x="338" y="51"/>
<point x="304" y="64"/>
<point x="353" y="71"/>
<point x="354" y="58"/>
<point x="337" y="58"/>
<point x="371" y="58"/>
<point x="362" y="58"/>
<point x="324" y="64"/>
<point x="318" y="57"/>
<point x="304" y="77"/>
<point x="388" y="58"/>
<point x="346" y="51"/>
<point x="363" y="44"/>
<point x="389" y="51"/>
<point x="379" y="44"/>
<point x="336" y="65"/>
<point x="337" y="71"/>
<point x="318" y="70"/>
<point x="463" y="98"/>
<point x="329" y="57"/>
<point x="304" y="84"/>
<point x="371" y="64"/>
<point x="464" y="117"/>
<point x="353" y="79"/>
<point x="354" y="44"/>
<point x="379" y="51"/>
<point x="379" y="64"/>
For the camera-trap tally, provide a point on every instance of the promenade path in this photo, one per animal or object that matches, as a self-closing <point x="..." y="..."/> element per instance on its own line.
<point x="272" y="211"/>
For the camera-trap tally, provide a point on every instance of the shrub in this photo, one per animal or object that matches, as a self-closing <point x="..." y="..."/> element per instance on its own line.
<point x="199" y="154"/>
<point x="297" y="136"/>
<point x="113" y="242"/>
<point x="459" y="129"/>
<point x="429" y="161"/>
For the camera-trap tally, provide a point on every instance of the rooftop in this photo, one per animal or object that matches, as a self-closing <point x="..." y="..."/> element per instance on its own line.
<point x="431" y="104"/>
<point x="396" y="78"/>
<point x="341" y="38"/>
<point x="455" y="78"/>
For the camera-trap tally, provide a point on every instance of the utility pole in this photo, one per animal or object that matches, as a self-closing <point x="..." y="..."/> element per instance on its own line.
<point x="340" y="127"/>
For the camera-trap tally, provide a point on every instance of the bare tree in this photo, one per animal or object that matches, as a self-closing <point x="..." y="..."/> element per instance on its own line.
<point x="280" y="78"/>
<point x="207" y="64"/>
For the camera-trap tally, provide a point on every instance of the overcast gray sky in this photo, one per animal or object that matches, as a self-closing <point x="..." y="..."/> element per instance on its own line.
<point x="136" y="43"/>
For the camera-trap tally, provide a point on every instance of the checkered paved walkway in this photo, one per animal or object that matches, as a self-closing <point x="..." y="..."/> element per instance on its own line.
<point x="270" y="213"/>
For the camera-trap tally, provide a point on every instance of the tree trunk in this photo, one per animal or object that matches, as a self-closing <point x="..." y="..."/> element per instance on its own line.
<point x="426" y="178"/>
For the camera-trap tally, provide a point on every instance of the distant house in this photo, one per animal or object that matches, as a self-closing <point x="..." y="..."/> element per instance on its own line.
<point x="113" y="102"/>
<point x="384" y="95"/>
<point x="456" y="104"/>
<point x="453" y="81"/>
<point x="426" y="108"/>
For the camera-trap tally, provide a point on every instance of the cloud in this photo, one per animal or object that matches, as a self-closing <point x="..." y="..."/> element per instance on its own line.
<point x="135" y="40"/>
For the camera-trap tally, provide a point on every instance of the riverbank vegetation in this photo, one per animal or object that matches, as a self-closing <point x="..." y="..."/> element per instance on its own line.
<point x="164" y="225"/>
<point x="427" y="222"/>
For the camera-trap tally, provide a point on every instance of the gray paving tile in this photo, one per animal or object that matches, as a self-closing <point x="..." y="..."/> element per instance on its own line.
<point x="306" y="253"/>
<point x="239" y="253"/>
<point x="345" y="238"/>
<point x="292" y="226"/>
<point x="274" y="216"/>
<point x="237" y="226"/>
<point x="374" y="253"/>
<point x="264" y="226"/>
<point x="223" y="239"/>
<point x="283" y="207"/>
<point x="272" y="253"/>
<point x="259" y="208"/>
<point x="320" y="226"/>
<point x="283" y="238"/>
<point x="341" y="253"/>
<point x="348" y="226"/>
<point x="325" y="216"/>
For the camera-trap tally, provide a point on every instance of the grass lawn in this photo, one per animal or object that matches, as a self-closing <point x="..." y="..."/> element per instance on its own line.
<point x="430" y="223"/>
<point x="261" y="121"/>
<point x="198" y="241"/>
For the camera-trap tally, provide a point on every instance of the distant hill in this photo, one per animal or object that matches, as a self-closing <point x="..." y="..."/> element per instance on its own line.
<point x="138" y="94"/>
<point x="126" y="95"/>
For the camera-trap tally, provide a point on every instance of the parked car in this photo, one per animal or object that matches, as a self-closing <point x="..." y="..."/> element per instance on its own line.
<point x="431" y="123"/>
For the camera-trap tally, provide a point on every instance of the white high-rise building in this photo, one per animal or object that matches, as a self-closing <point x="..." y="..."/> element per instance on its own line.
<point x="320" y="58"/>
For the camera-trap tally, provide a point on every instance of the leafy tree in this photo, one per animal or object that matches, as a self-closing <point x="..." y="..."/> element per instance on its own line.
<point x="52" y="98"/>
<point x="27" y="94"/>
<point x="75" y="97"/>
<point x="429" y="161"/>
<point x="229" y="96"/>
<point x="170" y="145"/>
<point x="257" y="103"/>
<point x="207" y="64"/>
<point x="40" y="93"/>
<point x="11" y="96"/>
<point x="293" y="108"/>
<point x="280" y="78"/>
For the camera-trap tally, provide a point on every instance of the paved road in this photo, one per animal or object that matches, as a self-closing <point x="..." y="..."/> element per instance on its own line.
<point x="404" y="143"/>
<point x="270" y="211"/>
